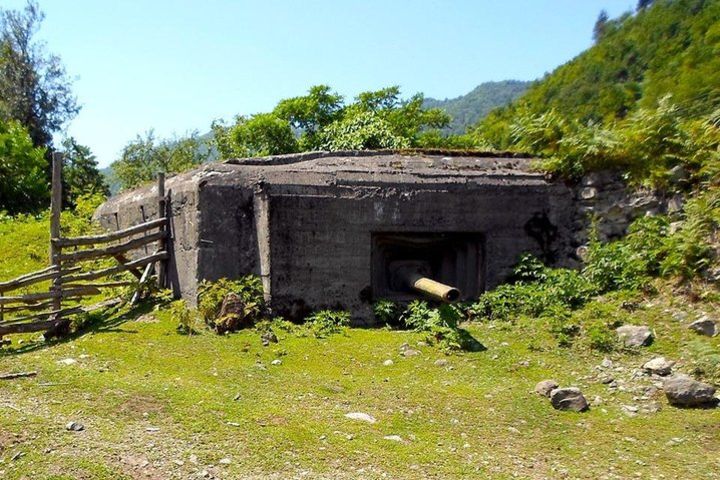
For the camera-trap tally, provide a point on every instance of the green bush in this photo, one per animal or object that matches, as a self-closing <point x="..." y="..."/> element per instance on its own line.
<point x="704" y="360"/>
<point x="441" y="324"/>
<point x="186" y="317"/>
<point x="211" y="295"/>
<point x="387" y="312"/>
<point x="327" y="322"/>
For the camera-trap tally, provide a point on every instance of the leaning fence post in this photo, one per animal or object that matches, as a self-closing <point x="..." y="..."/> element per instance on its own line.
<point x="55" y="249"/>
<point x="162" y="212"/>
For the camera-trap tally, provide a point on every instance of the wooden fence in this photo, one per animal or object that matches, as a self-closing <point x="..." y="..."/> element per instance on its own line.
<point x="72" y="279"/>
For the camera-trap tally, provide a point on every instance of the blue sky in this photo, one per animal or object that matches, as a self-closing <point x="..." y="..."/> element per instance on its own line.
<point x="176" y="65"/>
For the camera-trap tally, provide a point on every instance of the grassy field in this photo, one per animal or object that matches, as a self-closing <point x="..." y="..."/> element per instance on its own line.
<point x="156" y="404"/>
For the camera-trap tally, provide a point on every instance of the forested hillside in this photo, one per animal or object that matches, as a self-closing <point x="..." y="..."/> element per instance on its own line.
<point x="667" y="47"/>
<point x="466" y="110"/>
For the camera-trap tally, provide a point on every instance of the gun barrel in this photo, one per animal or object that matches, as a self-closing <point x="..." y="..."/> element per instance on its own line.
<point x="438" y="291"/>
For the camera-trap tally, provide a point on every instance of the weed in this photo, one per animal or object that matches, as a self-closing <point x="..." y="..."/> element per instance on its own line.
<point x="327" y="322"/>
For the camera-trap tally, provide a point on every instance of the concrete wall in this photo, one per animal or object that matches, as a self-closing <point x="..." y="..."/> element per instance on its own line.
<point x="321" y="236"/>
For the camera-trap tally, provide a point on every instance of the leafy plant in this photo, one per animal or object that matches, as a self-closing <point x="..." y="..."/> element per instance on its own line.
<point x="327" y="322"/>
<point x="247" y="293"/>
<point x="387" y="312"/>
<point x="187" y="318"/>
<point x="441" y="324"/>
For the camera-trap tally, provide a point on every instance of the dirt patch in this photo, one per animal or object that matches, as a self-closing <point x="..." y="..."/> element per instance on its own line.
<point x="138" y="405"/>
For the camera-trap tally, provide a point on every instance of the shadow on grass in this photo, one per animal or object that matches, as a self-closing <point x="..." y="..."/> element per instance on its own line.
<point x="107" y="320"/>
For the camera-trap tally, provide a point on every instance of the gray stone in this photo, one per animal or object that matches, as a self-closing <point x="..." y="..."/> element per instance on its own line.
<point x="704" y="326"/>
<point x="545" y="387"/>
<point x="685" y="391"/>
<point x="570" y="398"/>
<point x="75" y="427"/>
<point x="409" y="352"/>
<point x="268" y="337"/>
<point x="360" y="416"/>
<point x="658" y="366"/>
<point x="441" y="362"/>
<point x="588" y="193"/>
<point x="675" y="204"/>
<point x="678" y="174"/>
<point x="635" y="336"/>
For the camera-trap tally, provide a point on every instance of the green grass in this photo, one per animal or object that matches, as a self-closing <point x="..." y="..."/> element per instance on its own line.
<point x="475" y="417"/>
<point x="214" y="397"/>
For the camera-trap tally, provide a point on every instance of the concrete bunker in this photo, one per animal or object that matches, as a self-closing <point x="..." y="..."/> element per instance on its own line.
<point x="344" y="229"/>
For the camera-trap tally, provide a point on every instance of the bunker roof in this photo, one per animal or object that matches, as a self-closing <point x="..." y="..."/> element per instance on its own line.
<point x="376" y="167"/>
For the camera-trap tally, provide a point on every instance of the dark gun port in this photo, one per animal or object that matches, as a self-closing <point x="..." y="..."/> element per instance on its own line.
<point x="445" y="267"/>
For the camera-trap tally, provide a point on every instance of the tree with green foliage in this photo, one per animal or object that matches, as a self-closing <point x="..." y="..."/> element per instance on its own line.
<point x="34" y="88"/>
<point x="259" y="135"/>
<point x="321" y="120"/>
<point x="600" y="25"/>
<point x="23" y="184"/>
<point x="669" y="47"/>
<point x="80" y="173"/>
<point x="145" y="157"/>
<point x="310" y="113"/>
<point x="362" y="131"/>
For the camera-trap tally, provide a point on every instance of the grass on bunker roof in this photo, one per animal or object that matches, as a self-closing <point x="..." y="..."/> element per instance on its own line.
<point x="156" y="404"/>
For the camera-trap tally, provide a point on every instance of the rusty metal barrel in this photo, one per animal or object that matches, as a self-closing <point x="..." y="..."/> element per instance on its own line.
<point x="431" y="288"/>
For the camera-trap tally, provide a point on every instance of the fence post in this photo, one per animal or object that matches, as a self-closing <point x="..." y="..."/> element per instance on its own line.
<point x="162" y="244"/>
<point x="55" y="209"/>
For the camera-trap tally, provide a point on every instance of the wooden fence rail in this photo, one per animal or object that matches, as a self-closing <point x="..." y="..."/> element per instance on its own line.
<point x="43" y="311"/>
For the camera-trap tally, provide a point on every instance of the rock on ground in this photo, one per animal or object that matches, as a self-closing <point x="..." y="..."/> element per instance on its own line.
<point x="363" y="417"/>
<point x="634" y="335"/>
<point x="570" y="398"/>
<point x="545" y="387"/>
<point x="704" y="326"/>
<point x="659" y="366"/>
<point x="684" y="391"/>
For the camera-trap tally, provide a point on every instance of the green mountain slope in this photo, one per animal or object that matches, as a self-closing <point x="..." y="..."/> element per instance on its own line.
<point x="671" y="47"/>
<point x="467" y="110"/>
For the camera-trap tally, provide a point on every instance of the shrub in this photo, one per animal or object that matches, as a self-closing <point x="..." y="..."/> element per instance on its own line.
<point x="600" y="336"/>
<point x="327" y="322"/>
<point x="704" y="360"/>
<point x="249" y="294"/>
<point x="186" y="317"/>
<point x="441" y="324"/>
<point x="387" y="312"/>
<point x="538" y="289"/>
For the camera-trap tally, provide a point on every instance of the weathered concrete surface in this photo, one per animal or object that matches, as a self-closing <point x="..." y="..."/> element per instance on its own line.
<point x="305" y="223"/>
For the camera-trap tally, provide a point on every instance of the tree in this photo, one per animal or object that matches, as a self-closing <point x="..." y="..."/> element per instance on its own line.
<point x="34" y="87"/>
<point x="310" y="113"/>
<point x="642" y="4"/>
<point x="364" y="131"/>
<point x="261" y="134"/>
<point x="80" y="173"/>
<point x="23" y="185"/>
<point x="600" y="25"/>
<point x="143" y="158"/>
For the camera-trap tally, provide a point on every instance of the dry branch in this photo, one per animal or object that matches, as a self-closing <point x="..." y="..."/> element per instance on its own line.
<point x="140" y="262"/>
<point x="109" y="237"/>
<point x="28" y="327"/>
<point x="35" y="297"/>
<point x="12" y="376"/>
<point x="102" y="284"/>
<point x="29" y="307"/>
<point x="110" y="251"/>
<point x="31" y="279"/>
<point x="38" y="316"/>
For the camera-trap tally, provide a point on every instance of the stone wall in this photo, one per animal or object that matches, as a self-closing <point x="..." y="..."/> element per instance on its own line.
<point x="606" y="198"/>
